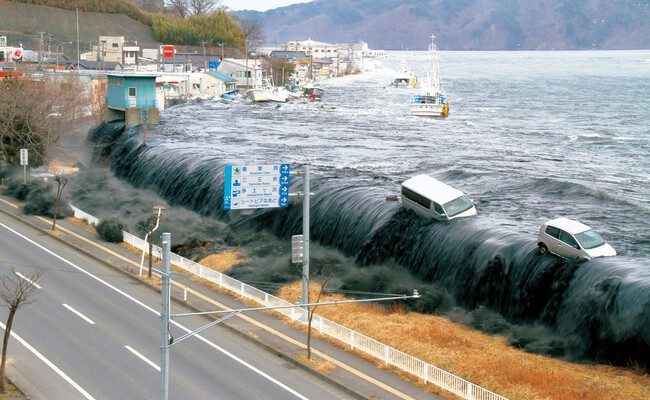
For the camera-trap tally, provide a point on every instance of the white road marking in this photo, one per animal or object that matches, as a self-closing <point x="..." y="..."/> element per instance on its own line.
<point x="80" y="315"/>
<point x="31" y="282"/>
<point x="128" y="296"/>
<point x="143" y="358"/>
<point x="50" y="364"/>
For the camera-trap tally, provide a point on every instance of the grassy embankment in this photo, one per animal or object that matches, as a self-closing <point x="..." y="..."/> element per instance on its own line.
<point x="484" y="360"/>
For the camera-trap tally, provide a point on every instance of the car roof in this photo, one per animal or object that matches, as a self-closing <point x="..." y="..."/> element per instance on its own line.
<point x="568" y="225"/>
<point x="432" y="188"/>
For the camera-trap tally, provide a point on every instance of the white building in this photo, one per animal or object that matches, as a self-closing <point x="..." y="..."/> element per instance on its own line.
<point x="247" y="76"/>
<point x="113" y="49"/>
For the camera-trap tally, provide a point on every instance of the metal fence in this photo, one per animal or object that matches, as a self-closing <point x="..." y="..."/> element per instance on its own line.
<point x="388" y="355"/>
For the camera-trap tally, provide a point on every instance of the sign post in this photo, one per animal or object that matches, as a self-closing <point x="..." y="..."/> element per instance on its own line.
<point x="24" y="160"/>
<point x="256" y="186"/>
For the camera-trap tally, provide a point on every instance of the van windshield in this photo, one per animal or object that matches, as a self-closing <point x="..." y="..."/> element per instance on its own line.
<point x="457" y="206"/>
<point x="589" y="239"/>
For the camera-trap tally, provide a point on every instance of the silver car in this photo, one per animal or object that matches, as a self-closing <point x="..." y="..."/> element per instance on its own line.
<point x="571" y="239"/>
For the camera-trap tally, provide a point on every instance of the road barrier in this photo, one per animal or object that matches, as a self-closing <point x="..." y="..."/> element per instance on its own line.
<point x="357" y="341"/>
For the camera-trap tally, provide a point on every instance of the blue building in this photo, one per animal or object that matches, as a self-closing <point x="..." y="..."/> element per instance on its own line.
<point x="132" y="98"/>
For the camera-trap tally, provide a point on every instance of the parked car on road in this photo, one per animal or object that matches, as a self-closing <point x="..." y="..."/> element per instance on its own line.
<point x="571" y="239"/>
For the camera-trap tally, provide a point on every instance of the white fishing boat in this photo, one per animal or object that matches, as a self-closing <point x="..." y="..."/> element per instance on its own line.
<point x="266" y="92"/>
<point x="405" y="76"/>
<point x="430" y="100"/>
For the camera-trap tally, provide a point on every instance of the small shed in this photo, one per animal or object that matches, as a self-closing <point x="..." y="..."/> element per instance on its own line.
<point x="132" y="97"/>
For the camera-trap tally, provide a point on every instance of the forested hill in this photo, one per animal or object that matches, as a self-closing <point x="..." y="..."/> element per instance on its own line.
<point x="464" y="24"/>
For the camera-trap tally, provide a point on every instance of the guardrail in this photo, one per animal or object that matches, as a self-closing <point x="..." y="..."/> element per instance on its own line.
<point x="390" y="356"/>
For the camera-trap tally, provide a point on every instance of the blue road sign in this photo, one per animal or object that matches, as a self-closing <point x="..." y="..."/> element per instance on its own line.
<point x="256" y="186"/>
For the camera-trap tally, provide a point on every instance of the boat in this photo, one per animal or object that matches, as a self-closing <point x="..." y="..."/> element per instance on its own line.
<point x="312" y="92"/>
<point x="229" y="95"/>
<point x="405" y="76"/>
<point x="266" y="92"/>
<point x="430" y="100"/>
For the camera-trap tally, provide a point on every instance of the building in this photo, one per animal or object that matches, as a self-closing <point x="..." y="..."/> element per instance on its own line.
<point x="211" y="83"/>
<point x="113" y="49"/>
<point x="247" y="75"/>
<point x="133" y="98"/>
<point x="9" y="53"/>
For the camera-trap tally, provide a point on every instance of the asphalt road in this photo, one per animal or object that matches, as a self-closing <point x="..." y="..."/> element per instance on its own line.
<point x="94" y="333"/>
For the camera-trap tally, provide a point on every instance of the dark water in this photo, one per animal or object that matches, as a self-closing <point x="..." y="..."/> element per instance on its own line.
<point x="531" y="136"/>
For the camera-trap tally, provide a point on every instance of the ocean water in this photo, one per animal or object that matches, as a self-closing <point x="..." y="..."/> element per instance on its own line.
<point x="531" y="136"/>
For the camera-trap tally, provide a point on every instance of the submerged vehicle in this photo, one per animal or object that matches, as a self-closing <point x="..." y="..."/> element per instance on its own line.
<point x="430" y="198"/>
<point x="567" y="238"/>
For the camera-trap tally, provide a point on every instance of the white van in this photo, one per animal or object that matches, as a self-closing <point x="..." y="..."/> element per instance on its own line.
<point x="430" y="198"/>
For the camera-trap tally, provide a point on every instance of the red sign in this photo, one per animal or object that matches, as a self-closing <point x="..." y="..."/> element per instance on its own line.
<point x="17" y="53"/>
<point x="168" y="50"/>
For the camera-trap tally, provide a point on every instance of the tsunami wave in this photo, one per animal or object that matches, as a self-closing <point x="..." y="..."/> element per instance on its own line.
<point x="600" y="307"/>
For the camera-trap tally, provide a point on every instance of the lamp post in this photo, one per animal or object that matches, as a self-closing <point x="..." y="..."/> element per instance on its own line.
<point x="221" y="44"/>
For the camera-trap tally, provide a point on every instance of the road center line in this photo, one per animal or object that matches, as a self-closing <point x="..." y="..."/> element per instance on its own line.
<point x="80" y="315"/>
<point x="49" y="364"/>
<point x="143" y="358"/>
<point x="31" y="282"/>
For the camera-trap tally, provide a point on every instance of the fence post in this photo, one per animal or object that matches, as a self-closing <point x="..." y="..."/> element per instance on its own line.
<point x="386" y="353"/>
<point x="470" y="395"/>
<point x="426" y="373"/>
<point x="352" y="340"/>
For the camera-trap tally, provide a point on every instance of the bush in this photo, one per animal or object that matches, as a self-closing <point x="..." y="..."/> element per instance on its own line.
<point x="19" y="190"/>
<point x="537" y="339"/>
<point x="488" y="321"/>
<point x="111" y="230"/>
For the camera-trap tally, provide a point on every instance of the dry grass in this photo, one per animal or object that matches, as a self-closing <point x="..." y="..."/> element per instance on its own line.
<point x="484" y="360"/>
<point x="323" y="366"/>
<point x="83" y="224"/>
<point x="487" y="361"/>
<point x="222" y="261"/>
<point x="11" y="392"/>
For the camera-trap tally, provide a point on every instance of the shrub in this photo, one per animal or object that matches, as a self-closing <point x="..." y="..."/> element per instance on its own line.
<point x="488" y="321"/>
<point x="537" y="339"/>
<point x="111" y="230"/>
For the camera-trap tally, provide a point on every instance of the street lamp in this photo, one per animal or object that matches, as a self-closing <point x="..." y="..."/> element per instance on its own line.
<point x="158" y="210"/>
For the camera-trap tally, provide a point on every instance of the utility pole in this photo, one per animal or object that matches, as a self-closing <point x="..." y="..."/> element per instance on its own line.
<point x="77" y="39"/>
<point x="205" y="62"/>
<point x="305" y="234"/>
<point x="164" y="317"/>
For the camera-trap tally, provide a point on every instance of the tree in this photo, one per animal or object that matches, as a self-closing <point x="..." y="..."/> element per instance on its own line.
<point x="36" y="113"/>
<point x="186" y="8"/>
<point x="15" y="292"/>
<point x="61" y="181"/>
<point x="253" y="31"/>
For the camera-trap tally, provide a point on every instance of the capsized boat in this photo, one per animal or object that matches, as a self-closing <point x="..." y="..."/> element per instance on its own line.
<point x="229" y="95"/>
<point x="405" y="76"/>
<point x="430" y="100"/>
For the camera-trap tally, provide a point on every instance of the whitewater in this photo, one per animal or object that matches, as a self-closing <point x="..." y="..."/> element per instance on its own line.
<point x="531" y="136"/>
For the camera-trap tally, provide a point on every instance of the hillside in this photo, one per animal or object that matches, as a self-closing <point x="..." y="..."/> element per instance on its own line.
<point x="464" y="24"/>
<point x="22" y="23"/>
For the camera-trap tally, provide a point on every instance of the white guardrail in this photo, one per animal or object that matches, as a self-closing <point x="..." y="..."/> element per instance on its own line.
<point x="390" y="356"/>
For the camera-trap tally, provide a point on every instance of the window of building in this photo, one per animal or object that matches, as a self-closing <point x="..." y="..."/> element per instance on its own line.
<point x="132" y="92"/>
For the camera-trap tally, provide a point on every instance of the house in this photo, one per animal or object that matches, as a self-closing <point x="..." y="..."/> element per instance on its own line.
<point x="247" y="75"/>
<point x="133" y="98"/>
<point x="211" y="83"/>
